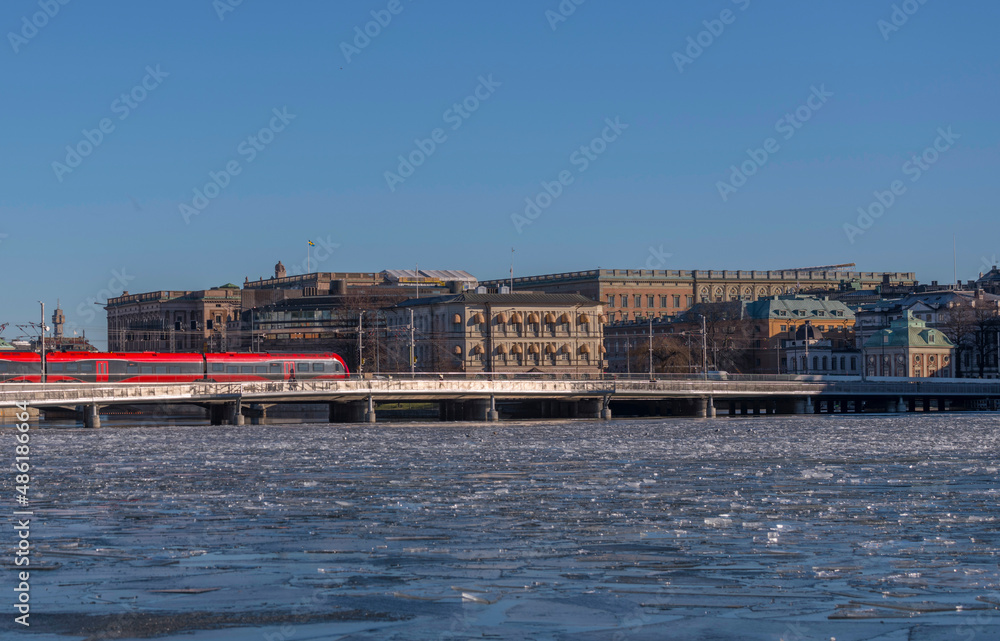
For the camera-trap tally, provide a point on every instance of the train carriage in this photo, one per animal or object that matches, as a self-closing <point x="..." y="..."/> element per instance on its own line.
<point x="152" y="367"/>
<point x="20" y="367"/>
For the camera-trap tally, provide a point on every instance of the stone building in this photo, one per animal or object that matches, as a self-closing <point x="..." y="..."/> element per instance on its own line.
<point x="503" y="333"/>
<point x="630" y="294"/>
<point x="809" y="352"/>
<point x="173" y="321"/>
<point x="909" y="348"/>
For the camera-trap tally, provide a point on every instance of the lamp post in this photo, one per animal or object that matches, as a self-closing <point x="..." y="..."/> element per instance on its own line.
<point x="41" y="331"/>
<point x="361" y="355"/>
<point x="651" y="348"/>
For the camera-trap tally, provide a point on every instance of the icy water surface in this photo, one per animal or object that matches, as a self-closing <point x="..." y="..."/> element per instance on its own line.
<point x="758" y="528"/>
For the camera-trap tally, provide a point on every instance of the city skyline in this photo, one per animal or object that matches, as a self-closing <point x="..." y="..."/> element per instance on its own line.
<point x="212" y="140"/>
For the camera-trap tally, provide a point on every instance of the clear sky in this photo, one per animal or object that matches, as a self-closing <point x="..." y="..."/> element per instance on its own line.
<point x="182" y="90"/>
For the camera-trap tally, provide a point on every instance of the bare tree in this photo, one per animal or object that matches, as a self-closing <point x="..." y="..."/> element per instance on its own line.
<point x="959" y="325"/>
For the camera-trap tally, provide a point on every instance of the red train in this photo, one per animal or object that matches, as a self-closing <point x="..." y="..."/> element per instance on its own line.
<point x="153" y="367"/>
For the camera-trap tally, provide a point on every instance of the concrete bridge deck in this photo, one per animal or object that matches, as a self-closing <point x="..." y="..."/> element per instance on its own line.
<point x="795" y="394"/>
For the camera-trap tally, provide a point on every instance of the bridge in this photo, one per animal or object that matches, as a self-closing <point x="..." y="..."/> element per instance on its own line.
<point x="462" y="397"/>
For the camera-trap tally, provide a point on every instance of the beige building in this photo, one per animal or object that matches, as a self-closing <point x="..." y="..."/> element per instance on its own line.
<point x="519" y="332"/>
<point x="634" y="294"/>
<point x="173" y="321"/>
<point x="908" y="348"/>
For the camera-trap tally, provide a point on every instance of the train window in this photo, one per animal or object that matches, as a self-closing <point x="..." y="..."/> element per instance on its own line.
<point x="146" y="369"/>
<point x="337" y="367"/>
<point x="175" y="369"/>
<point x="246" y="369"/>
<point x="131" y="368"/>
<point x="261" y="369"/>
<point x="218" y="367"/>
<point x="3" y="368"/>
<point x="232" y="369"/>
<point x="87" y="368"/>
<point x="275" y="367"/>
<point x="56" y="367"/>
<point x="161" y="369"/>
<point x="317" y="367"/>
<point x="71" y="367"/>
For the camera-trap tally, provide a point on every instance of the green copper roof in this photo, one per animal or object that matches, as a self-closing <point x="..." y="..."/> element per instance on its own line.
<point x="799" y="308"/>
<point x="908" y="331"/>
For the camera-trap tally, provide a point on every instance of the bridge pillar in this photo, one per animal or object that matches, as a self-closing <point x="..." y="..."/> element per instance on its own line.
<point x="859" y="406"/>
<point x="927" y="404"/>
<point x="712" y="412"/>
<point x="810" y="408"/>
<point x="492" y="414"/>
<point x="606" y="408"/>
<point x="235" y="413"/>
<point x="370" y="410"/>
<point x="257" y="412"/>
<point x="799" y="406"/>
<point x="901" y="405"/>
<point x="91" y="418"/>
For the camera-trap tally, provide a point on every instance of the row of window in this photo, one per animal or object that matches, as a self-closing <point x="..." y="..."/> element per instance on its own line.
<point x="820" y="364"/>
<point x="651" y="300"/>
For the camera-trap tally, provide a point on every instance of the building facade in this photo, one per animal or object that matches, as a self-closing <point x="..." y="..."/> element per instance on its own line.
<point x="502" y="333"/>
<point x="809" y="352"/>
<point x="174" y="321"/>
<point x="631" y="294"/>
<point x="909" y="348"/>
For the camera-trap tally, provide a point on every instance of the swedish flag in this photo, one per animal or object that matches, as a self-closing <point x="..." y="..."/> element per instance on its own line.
<point x="311" y="243"/>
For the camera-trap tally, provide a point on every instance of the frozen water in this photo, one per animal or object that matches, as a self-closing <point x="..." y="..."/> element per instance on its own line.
<point x="804" y="528"/>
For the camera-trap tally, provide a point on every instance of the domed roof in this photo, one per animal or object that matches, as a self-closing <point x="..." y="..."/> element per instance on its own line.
<point x="808" y="332"/>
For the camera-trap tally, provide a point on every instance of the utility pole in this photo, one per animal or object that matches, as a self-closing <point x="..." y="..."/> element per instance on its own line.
<point x="704" y="349"/>
<point x="412" y="359"/>
<point x="361" y="356"/>
<point x="41" y="331"/>
<point x="651" y="347"/>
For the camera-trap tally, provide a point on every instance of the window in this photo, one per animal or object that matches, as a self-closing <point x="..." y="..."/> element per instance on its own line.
<point x="71" y="367"/>
<point x="854" y="363"/>
<point x="208" y="323"/>
<point x="218" y="367"/>
<point x="131" y="368"/>
<point x="318" y="367"/>
<point x="649" y="301"/>
<point x="161" y="369"/>
<point x="177" y="326"/>
<point x="677" y="301"/>
<point x="275" y="367"/>
<point x="611" y="300"/>
<point x="663" y="301"/>
<point x="246" y="369"/>
<point x="175" y="369"/>
<point x="624" y="300"/>
<point x="638" y="300"/>
<point x="194" y="324"/>
<point x="260" y="369"/>
<point x="145" y="369"/>
<point x="232" y="369"/>
<point x="784" y="328"/>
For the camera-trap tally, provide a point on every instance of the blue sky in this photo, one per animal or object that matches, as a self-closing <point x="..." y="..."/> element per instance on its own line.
<point x="649" y="194"/>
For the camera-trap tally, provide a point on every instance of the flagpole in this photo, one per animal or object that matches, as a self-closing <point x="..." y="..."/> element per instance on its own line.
<point x="308" y="258"/>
